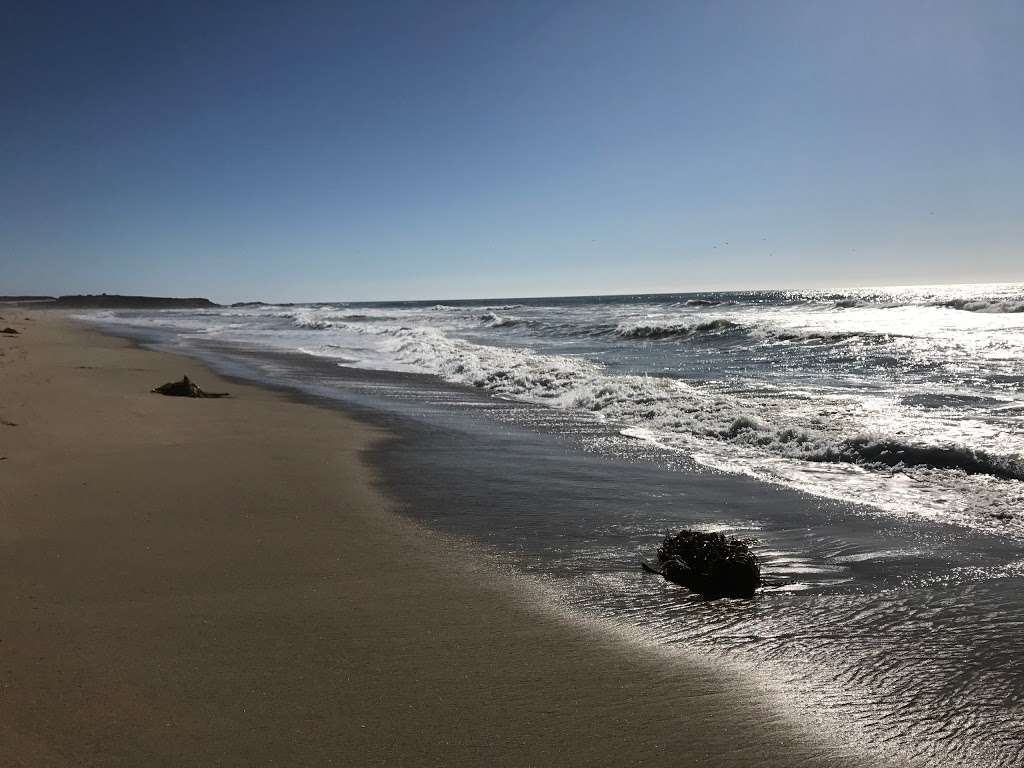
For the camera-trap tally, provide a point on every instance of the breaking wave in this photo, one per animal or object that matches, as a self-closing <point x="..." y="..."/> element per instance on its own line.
<point x="653" y="331"/>
<point x="724" y="327"/>
<point x="673" y="406"/>
<point x="494" y="320"/>
<point x="873" y="451"/>
<point x="993" y="307"/>
<point x="914" y="406"/>
<point x="824" y="337"/>
<point x="309" y="320"/>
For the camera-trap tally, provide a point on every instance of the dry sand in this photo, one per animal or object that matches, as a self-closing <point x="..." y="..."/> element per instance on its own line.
<point x="219" y="582"/>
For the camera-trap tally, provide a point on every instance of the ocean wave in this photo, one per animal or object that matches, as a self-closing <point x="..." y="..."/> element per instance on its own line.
<point x="871" y="300"/>
<point x="871" y="450"/>
<point x="672" y="406"/>
<point x="763" y="332"/>
<point x="984" y="305"/>
<point x="655" y="330"/>
<point x="699" y="303"/>
<point x="960" y="450"/>
<point x="494" y="320"/>
<point x="787" y="335"/>
<point x="308" y="319"/>
<point x="325" y="318"/>
<point x="362" y="318"/>
<point x="509" y="371"/>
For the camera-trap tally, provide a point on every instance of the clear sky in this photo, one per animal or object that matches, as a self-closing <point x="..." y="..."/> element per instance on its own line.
<point x="329" y="150"/>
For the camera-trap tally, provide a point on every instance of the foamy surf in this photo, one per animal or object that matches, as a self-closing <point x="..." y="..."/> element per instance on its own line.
<point x="906" y="400"/>
<point x="908" y="408"/>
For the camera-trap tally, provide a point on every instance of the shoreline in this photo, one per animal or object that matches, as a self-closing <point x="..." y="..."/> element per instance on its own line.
<point x="221" y="582"/>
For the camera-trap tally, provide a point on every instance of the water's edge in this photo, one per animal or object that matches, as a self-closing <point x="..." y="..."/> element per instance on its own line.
<point x="580" y="520"/>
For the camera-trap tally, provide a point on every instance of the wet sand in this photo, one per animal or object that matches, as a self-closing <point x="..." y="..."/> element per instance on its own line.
<point x="221" y="582"/>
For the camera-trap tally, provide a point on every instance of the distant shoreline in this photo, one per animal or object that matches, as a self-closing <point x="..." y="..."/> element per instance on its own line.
<point x="118" y="301"/>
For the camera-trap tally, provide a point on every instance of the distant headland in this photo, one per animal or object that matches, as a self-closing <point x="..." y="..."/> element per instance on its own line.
<point x="117" y="301"/>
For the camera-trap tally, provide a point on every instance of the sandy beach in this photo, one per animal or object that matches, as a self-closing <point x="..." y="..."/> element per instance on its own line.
<point x="221" y="582"/>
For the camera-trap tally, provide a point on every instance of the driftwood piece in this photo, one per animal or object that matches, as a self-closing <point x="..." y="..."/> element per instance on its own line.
<point x="11" y="331"/>
<point x="185" y="388"/>
<point x="709" y="564"/>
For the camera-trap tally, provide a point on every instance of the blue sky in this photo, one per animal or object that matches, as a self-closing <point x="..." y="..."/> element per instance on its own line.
<point x="315" y="151"/>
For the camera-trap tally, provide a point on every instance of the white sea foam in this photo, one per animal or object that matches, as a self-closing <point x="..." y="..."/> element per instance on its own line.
<point x="921" y="442"/>
<point x="715" y="425"/>
<point x="494" y="320"/>
<point x="312" y="319"/>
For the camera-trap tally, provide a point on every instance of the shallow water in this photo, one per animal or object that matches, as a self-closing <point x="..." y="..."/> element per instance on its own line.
<point x="901" y="617"/>
<point x="910" y="400"/>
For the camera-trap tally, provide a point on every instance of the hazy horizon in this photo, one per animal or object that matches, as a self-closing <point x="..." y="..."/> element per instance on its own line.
<point x="397" y="151"/>
<point x="270" y="299"/>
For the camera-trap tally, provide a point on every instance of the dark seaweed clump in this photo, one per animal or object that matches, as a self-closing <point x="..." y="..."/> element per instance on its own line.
<point x="710" y="564"/>
<point x="185" y="388"/>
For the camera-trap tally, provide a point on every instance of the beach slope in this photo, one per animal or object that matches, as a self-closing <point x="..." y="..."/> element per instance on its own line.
<point x="220" y="582"/>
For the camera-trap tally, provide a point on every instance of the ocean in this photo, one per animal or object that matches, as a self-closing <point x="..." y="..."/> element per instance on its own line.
<point x="868" y="442"/>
